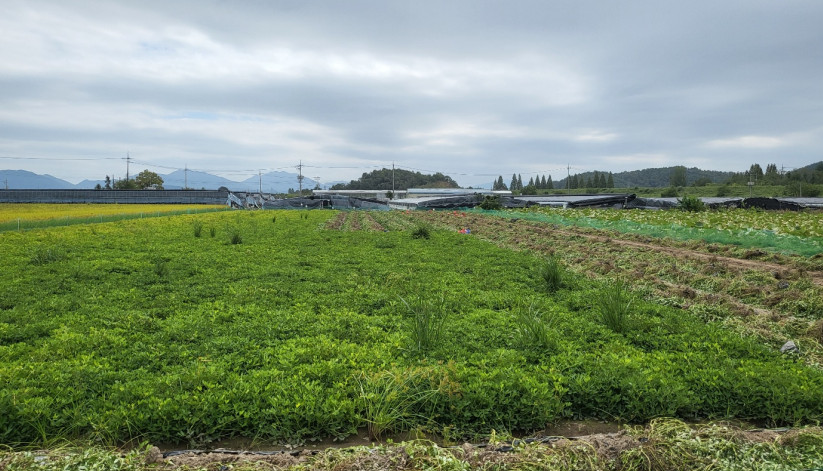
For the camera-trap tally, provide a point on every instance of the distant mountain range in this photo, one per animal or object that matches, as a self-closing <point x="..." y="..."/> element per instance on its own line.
<point x="281" y="182"/>
<point x="272" y="182"/>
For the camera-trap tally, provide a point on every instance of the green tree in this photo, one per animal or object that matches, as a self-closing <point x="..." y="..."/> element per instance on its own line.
<point x="610" y="181"/>
<point x="549" y="184"/>
<point x="678" y="176"/>
<point x="513" y="184"/>
<point x="108" y="183"/>
<point x="756" y="172"/>
<point x="771" y="177"/>
<point x="125" y="185"/>
<point x="543" y="184"/>
<point x="519" y="182"/>
<point x="147" y="179"/>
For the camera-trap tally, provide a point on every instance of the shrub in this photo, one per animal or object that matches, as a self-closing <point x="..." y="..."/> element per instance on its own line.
<point x="692" y="204"/>
<point x="670" y="192"/>
<point x="212" y="232"/>
<point x="552" y="274"/>
<point x="614" y="302"/>
<point x="198" y="228"/>
<point x="491" y="203"/>
<point x="421" y="232"/>
<point x="723" y="190"/>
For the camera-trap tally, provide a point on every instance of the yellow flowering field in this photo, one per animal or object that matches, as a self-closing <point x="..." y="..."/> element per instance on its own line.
<point x="44" y="212"/>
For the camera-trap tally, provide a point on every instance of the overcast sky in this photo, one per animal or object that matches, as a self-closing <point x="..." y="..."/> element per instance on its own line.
<point x="472" y="88"/>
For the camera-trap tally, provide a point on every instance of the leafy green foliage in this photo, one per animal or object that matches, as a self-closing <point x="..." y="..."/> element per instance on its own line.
<point x="198" y="228"/>
<point x="295" y="335"/>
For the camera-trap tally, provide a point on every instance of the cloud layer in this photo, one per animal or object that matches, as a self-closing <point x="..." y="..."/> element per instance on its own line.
<point x="472" y="89"/>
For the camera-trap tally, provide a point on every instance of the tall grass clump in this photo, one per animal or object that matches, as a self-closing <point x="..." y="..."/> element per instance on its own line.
<point x="198" y="228"/>
<point x="427" y="320"/>
<point x="391" y="400"/>
<point x="236" y="237"/>
<point x="421" y="232"/>
<point x="212" y="232"/>
<point x="614" y="302"/>
<point x="161" y="268"/>
<point x="534" y="329"/>
<point x="46" y="255"/>
<point x="552" y="274"/>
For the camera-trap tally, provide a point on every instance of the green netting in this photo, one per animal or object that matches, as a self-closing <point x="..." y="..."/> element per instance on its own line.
<point x="747" y="238"/>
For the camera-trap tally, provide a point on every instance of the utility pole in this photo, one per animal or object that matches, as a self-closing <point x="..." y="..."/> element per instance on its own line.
<point x="128" y="160"/>
<point x="317" y="182"/>
<point x="300" y="177"/>
<point x="568" y="179"/>
<point x="392" y="178"/>
<point x="186" y="177"/>
<point x="6" y="183"/>
<point x="260" y="178"/>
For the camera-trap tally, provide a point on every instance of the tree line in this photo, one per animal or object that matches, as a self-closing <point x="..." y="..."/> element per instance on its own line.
<point x="142" y="181"/>
<point x="587" y="180"/>
<point x="398" y="179"/>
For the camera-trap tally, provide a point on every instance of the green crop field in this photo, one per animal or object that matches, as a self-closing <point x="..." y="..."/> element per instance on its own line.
<point x="291" y="326"/>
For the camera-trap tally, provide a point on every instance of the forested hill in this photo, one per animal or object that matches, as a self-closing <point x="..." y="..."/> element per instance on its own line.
<point x="403" y="180"/>
<point x="661" y="177"/>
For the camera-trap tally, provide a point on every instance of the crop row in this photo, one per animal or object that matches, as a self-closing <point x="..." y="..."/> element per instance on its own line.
<point x="783" y="231"/>
<point x="265" y="324"/>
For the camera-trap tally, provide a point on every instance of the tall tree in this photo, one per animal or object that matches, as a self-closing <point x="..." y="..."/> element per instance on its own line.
<point x="531" y="181"/>
<point x="543" y="183"/>
<point x="549" y="184"/>
<point x="756" y="172"/>
<point x="678" y="176"/>
<point x="146" y="179"/>
<point x="108" y="183"/>
<point x="610" y="181"/>
<point x="519" y="182"/>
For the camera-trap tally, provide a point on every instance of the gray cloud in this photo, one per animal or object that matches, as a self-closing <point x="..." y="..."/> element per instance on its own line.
<point x="465" y="87"/>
